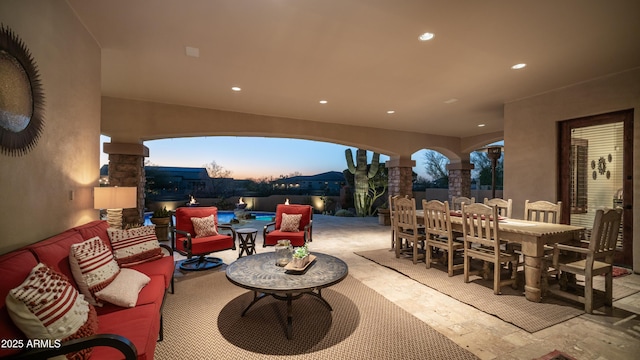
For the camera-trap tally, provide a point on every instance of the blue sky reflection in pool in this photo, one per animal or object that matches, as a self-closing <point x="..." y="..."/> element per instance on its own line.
<point x="225" y="217"/>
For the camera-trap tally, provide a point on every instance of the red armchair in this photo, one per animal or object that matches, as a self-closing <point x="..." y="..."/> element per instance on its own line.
<point x="191" y="243"/>
<point x="274" y="231"/>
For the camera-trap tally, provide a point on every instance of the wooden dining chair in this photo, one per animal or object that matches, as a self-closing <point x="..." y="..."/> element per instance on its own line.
<point x="481" y="231"/>
<point x="504" y="206"/>
<point x="437" y="224"/>
<point x="456" y="202"/>
<point x="543" y="211"/>
<point x="598" y="260"/>
<point x="408" y="229"/>
<point x="391" y="217"/>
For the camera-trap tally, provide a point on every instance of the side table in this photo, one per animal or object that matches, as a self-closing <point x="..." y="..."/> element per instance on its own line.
<point x="247" y="238"/>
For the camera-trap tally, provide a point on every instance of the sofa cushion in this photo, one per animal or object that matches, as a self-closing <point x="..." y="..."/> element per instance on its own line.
<point x="290" y="223"/>
<point x="14" y="267"/>
<point x="164" y="267"/>
<point x="95" y="228"/>
<point x="134" y="246"/>
<point x="93" y="267"/>
<point x="205" y="226"/>
<point x="54" y="252"/>
<point x="47" y="306"/>
<point x="139" y="324"/>
<point x="123" y="290"/>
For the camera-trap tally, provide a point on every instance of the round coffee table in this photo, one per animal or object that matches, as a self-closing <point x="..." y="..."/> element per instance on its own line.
<point x="260" y="274"/>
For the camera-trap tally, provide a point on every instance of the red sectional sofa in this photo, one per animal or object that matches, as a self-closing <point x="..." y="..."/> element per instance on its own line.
<point x="134" y="330"/>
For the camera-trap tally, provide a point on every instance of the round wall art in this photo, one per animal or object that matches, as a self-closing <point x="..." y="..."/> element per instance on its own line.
<point x="21" y="96"/>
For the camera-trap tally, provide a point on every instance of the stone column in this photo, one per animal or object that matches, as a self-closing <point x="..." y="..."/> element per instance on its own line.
<point x="126" y="168"/>
<point x="400" y="175"/>
<point x="460" y="179"/>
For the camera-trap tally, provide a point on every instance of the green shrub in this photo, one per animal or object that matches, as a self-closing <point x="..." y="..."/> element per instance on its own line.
<point x="344" y="213"/>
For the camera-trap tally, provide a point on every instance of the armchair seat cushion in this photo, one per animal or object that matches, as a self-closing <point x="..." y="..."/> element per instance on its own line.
<point x="297" y="238"/>
<point x="207" y="244"/>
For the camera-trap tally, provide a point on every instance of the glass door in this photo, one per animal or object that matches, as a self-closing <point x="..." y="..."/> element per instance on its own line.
<point x="595" y="160"/>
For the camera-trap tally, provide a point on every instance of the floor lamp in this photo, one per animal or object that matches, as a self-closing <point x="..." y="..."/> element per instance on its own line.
<point x="114" y="199"/>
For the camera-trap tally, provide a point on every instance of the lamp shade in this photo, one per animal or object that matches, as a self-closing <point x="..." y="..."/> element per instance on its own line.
<point x="115" y="197"/>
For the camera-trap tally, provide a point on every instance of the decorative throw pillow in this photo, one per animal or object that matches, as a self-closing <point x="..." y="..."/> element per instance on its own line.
<point x="134" y="246"/>
<point x="47" y="306"/>
<point x="93" y="267"/>
<point x="205" y="226"/>
<point x="123" y="291"/>
<point x="290" y="223"/>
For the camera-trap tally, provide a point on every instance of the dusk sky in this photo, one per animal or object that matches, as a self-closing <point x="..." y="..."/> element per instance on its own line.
<point x="253" y="157"/>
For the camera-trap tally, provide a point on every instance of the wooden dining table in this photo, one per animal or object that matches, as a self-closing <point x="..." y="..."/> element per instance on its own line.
<point x="532" y="236"/>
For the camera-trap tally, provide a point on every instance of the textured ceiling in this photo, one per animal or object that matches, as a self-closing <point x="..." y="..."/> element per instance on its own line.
<point x="362" y="56"/>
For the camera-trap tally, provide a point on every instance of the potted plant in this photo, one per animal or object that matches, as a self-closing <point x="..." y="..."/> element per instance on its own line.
<point x="161" y="218"/>
<point x="384" y="214"/>
<point x="300" y="257"/>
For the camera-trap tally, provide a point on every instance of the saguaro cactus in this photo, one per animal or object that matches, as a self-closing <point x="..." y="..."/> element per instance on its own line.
<point x="361" y="174"/>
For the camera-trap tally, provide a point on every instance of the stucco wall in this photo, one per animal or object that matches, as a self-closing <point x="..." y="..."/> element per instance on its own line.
<point x="36" y="188"/>
<point x="531" y="137"/>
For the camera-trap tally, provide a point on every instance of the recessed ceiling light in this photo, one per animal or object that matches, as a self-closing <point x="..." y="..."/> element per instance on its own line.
<point x="426" y="36"/>
<point x="323" y="101"/>
<point x="518" y="66"/>
<point x="192" y="51"/>
<point x="450" y="101"/>
<point x="480" y="125"/>
<point x="235" y="88"/>
<point x="391" y="111"/>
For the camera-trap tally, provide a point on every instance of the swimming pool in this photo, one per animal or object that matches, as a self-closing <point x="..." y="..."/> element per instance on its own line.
<point x="225" y="217"/>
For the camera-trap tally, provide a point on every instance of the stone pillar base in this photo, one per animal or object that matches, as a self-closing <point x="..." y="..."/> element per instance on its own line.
<point x="126" y="168"/>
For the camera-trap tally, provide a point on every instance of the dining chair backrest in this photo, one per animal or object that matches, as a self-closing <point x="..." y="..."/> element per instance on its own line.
<point x="405" y="215"/>
<point x="392" y="218"/>
<point x="543" y="211"/>
<point x="392" y="205"/>
<point x="456" y="202"/>
<point x="392" y="209"/>
<point x="504" y="206"/>
<point x="604" y="236"/>
<point x="437" y="220"/>
<point x="480" y="225"/>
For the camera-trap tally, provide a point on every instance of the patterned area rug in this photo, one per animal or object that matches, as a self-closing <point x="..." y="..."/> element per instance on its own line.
<point x="202" y="321"/>
<point x="511" y="306"/>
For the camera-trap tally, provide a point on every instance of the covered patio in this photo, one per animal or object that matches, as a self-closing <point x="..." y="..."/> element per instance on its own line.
<point x="104" y="72"/>
<point x="485" y="335"/>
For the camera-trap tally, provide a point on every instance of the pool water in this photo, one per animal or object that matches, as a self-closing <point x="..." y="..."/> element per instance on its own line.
<point x="225" y="217"/>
